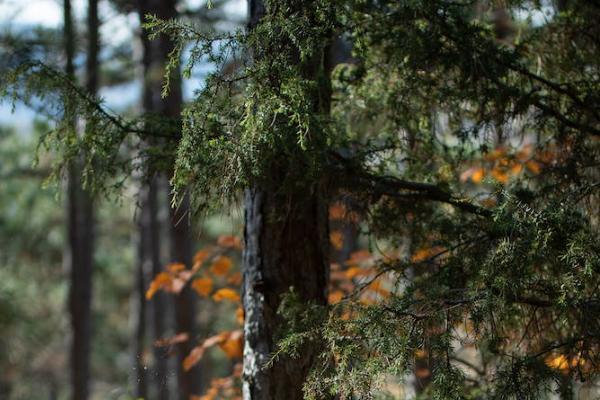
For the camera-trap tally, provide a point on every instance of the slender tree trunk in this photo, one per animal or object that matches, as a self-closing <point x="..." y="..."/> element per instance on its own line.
<point x="286" y="246"/>
<point x="180" y="232"/>
<point x="181" y="251"/>
<point x="138" y="315"/>
<point x="80" y="217"/>
<point x="150" y="224"/>
<point x="159" y="301"/>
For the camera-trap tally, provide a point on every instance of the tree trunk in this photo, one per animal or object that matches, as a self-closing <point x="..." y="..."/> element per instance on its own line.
<point x="139" y="310"/>
<point x="80" y="218"/>
<point x="181" y="252"/>
<point x="179" y="231"/>
<point x="286" y="246"/>
<point x="150" y="225"/>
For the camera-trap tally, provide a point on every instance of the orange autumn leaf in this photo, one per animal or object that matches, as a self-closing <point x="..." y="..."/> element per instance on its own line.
<point x="496" y="154"/>
<point x="425" y="253"/>
<point x="199" y="258"/>
<point x="478" y="175"/>
<point x="337" y="211"/>
<point x="420" y="353"/>
<point x="515" y="169"/>
<point x="197" y="352"/>
<point x="359" y="256"/>
<point x="353" y="272"/>
<point x="336" y="296"/>
<point x="500" y="175"/>
<point x="422" y="373"/>
<point x="534" y="167"/>
<point x="337" y="239"/>
<point x="488" y="202"/>
<point x="216" y="339"/>
<point x="233" y="345"/>
<point x="162" y="280"/>
<point x="229" y="241"/>
<point x="202" y="286"/>
<point x="560" y="362"/>
<point x="525" y="153"/>
<point x="239" y="315"/>
<point x="226" y="294"/>
<point x="175" y="267"/>
<point x="221" y="266"/>
<point x="375" y="287"/>
<point x="194" y="357"/>
<point x="179" y="338"/>
<point x="235" y="279"/>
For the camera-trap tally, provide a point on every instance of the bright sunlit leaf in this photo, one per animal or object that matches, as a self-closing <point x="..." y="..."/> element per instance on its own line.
<point x="226" y="294"/>
<point x="233" y="345"/>
<point x="221" y="266"/>
<point x="202" y="286"/>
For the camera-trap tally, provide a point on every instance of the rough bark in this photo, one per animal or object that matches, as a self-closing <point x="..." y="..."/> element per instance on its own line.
<point x="80" y="216"/>
<point x="286" y="246"/>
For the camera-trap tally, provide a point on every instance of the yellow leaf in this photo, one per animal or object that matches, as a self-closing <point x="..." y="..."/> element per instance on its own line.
<point x="557" y="362"/>
<point x="233" y="345"/>
<point x="226" y="294"/>
<point x="337" y="239"/>
<point x="221" y="266"/>
<point x="203" y="286"/>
